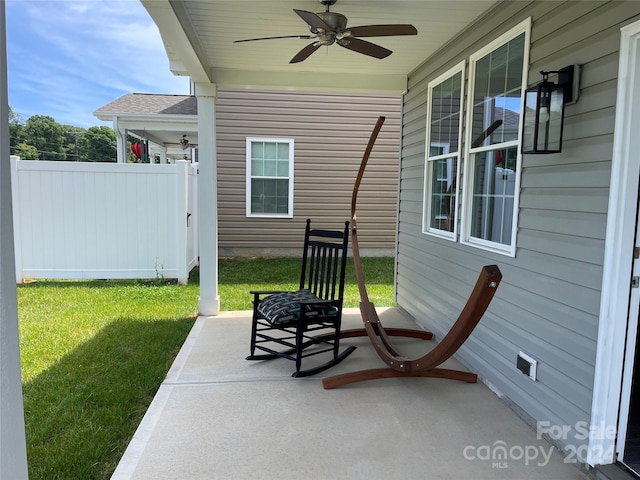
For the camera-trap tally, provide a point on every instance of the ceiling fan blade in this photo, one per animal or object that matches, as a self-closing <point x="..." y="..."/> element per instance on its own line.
<point x="381" y="30"/>
<point x="314" y="21"/>
<point x="364" y="47"/>
<point x="304" y="37"/>
<point x="305" y="52"/>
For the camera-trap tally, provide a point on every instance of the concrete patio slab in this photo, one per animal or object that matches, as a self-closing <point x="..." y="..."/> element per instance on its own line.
<point x="218" y="416"/>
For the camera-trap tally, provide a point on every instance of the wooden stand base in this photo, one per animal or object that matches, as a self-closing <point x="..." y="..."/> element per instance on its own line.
<point x="377" y="373"/>
<point x="427" y="365"/>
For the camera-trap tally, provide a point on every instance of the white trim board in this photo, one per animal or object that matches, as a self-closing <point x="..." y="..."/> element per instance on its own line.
<point x="614" y="305"/>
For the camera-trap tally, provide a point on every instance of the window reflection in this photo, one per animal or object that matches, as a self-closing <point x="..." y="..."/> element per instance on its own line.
<point x="443" y="152"/>
<point x="443" y="194"/>
<point x="497" y="92"/>
<point x="493" y="195"/>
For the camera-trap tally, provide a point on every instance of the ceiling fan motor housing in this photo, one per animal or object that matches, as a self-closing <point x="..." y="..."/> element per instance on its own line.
<point x="336" y="21"/>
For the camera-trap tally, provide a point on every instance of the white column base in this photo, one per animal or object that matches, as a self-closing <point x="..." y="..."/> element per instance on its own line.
<point x="209" y="306"/>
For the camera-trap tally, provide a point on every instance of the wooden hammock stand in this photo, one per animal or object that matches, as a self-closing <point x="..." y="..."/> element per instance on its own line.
<point x="427" y="365"/>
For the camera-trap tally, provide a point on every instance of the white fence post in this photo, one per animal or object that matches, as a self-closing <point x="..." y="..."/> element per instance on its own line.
<point x="182" y="191"/>
<point x="192" y="225"/>
<point x="17" y="234"/>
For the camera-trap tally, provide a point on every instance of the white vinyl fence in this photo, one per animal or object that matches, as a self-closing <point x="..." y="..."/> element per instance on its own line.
<point x="104" y="220"/>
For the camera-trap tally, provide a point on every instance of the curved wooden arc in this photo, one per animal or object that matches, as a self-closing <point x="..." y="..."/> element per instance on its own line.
<point x="397" y="364"/>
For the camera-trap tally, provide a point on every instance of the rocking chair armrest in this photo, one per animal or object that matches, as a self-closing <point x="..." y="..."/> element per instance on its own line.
<point x="260" y="295"/>
<point x="265" y="292"/>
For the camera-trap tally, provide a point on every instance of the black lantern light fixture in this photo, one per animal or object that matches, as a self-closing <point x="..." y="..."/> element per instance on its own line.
<point x="543" y="119"/>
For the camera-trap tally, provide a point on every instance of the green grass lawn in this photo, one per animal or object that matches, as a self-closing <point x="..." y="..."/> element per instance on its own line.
<point x="95" y="352"/>
<point x="284" y="274"/>
<point x="93" y="356"/>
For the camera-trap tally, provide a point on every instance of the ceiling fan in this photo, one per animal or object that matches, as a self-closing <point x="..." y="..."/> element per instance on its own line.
<point x="331" y="27"/>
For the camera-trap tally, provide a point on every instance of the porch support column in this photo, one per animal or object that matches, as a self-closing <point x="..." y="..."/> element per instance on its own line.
<point x="209" y="301"/>
<point x="13" y="447"/>
<point x="121" y="142"/>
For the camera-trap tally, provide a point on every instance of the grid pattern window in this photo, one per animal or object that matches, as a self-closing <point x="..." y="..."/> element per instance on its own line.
<point x="444" y="127"/>
<point x="497" y="82"/>
<point x="269" y="177"/>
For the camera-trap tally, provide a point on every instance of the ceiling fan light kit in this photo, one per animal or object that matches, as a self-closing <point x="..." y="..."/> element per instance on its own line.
<point x="331" y="27"/>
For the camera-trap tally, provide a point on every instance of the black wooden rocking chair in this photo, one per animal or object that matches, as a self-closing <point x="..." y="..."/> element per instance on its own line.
<point x="286" y="324"/>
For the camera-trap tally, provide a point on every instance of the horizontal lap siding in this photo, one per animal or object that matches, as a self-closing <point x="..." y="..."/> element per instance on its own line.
<point x="330" y="133"/>
<point x="548" y="302"/>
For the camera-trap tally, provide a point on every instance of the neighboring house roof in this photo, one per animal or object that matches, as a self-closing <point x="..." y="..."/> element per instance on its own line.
<point x="510" y="118"/>
<point x="149" y="104"/>
<point x="159" y="118"/>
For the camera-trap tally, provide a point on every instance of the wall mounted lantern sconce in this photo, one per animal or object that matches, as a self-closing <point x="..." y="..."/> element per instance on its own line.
<point x="184" y="142"/>
<point x="544" y="110"/>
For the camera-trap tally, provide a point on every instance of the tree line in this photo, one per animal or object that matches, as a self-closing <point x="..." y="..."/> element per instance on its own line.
<point x="40" y="137"/>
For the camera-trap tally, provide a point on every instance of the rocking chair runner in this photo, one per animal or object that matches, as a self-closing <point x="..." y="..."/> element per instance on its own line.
<point x="285" y="324"/>
<point x="397" y="364"/>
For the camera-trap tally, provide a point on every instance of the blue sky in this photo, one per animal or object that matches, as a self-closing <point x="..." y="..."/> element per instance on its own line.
<point x="68" y="58"/>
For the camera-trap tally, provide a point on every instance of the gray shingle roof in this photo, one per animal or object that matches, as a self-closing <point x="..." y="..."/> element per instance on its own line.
<point x="150" y="104"/>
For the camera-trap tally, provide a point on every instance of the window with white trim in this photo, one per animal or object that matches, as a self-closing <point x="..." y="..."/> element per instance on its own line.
<point x="269" y="177"/>
<point x="497" y="75"/>
<point x="444" y="139"/>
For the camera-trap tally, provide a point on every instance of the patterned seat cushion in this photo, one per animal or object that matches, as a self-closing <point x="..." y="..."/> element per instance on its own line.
<point x="284" y="308"/>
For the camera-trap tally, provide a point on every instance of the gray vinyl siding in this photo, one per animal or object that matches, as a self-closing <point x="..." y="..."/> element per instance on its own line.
<point x="548" y="302"/>
<point x="330" y="133"/>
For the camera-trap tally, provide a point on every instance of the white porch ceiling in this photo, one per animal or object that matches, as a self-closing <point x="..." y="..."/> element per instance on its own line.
<point x="198" y="36"/>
